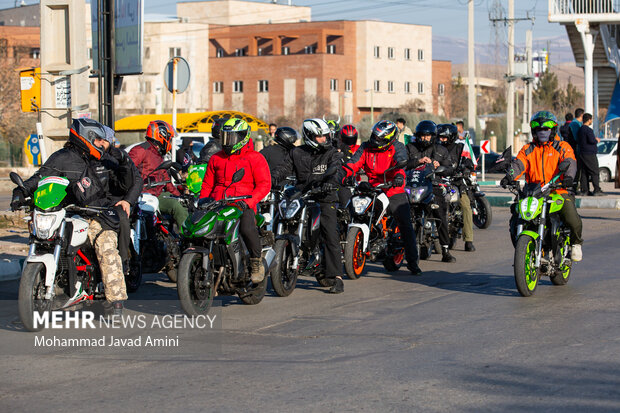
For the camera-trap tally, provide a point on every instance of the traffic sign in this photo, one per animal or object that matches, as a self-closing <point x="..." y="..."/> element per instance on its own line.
<point x="33" y="149"/>
<point x="179" y="66"/>
<point x="485" y="147"/>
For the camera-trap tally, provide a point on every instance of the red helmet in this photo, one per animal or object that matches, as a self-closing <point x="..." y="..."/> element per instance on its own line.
<point x="160" y="134"/>
<point x="348" y="135"/>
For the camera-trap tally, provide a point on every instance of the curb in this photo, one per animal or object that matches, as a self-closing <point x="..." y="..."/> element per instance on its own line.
<point x="614" y="203"/>
<point x="11" y="269"/>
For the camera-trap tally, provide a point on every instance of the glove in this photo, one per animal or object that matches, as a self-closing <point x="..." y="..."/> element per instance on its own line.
<point x="328" y="187"/>
<point x="243" y="205"/>
<point x="118" y="154"/>
<point x="505" y="181"/>
<point x="568" y="182"/>
<point x="398" y="181"/>
<point x="18" y="199"/>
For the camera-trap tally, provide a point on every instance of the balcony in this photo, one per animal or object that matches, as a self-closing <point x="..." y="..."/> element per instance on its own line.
<point x="594" y="11"/>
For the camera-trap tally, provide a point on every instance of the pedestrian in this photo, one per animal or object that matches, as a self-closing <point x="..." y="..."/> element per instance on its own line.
<point x="617" y="185"/>
<point x="587" y="145"/>
<point x="565" y="132"/>
<point x="270" y="140"/>
<point x="404" y="132"/>
<point x="574" y="126"/>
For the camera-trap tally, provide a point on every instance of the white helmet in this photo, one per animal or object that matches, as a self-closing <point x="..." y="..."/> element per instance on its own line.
<point x="313" y="128"/>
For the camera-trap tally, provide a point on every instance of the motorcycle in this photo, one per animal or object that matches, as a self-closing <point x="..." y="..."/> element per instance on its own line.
<point x="482" y="213"/>
<point x="541" y="239"/>
<point x="217" y="260"/>
<point x="61" y="269"/>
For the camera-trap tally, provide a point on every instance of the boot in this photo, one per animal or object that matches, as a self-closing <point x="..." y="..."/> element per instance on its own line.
<point x="576" y="255"/>
<point x="258" y="271"/>
<point x="446" y="257"/>
<point x="469" y="246"/>
<point x="414" y="269"/>
<point x="337" y="287"/>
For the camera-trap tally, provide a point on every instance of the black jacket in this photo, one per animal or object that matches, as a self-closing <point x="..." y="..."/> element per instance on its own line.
<point x="211" y="148"/>
<point x="92" y="182"/>
<point x="587" y="141"/>
<point x="435" y="152"/>
<point x="459" y="163"/>
<point x="567" y="135"/>
<point x="308" y="164"/>
<point x="275" y="155"/>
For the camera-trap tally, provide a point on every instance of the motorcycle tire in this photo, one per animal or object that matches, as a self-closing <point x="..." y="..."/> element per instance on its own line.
<point x="283" y="281"/>
<point x="133" y="278"/>
<point x="354" y="256"/>
<point x="256" y="294"/>
<point x="526" y="276"/>
<point x="425" y="252"/>
<point x="485" y="214"/>
<point x="563" y="274"/>
<point x="32" y="283"/>
<point x="195" y="288"/>
<point x="436" y="247"/>
<point x="394" y="262"/>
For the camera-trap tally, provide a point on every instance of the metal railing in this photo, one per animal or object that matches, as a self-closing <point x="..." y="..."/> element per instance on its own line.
<point x="592" y="10"/>
<point x="610" y="42"/>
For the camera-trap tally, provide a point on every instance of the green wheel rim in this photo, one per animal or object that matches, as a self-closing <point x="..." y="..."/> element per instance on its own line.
<point x="531" y="276"/>
<point x="565" y="268"/>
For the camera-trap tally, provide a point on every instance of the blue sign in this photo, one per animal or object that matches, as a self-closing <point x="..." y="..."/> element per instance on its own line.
<point x="33" y="149"/>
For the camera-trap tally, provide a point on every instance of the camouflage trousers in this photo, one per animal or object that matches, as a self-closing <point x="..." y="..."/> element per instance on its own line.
<point x="468" y="218"/>
<point x="106" y="249"/>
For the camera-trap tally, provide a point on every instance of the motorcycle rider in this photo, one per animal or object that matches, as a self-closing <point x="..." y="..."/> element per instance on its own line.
<point x="347" y="146"/>
<point x="284" y="140"/>
<point x="215" y="144"/>
<point x="447" y="135"/>
<point x="238" y="153"/>
<point x="99" y="176"/>
<point x="425" y="150"/>
<point x="539" y="160"/>
<point x="308" y="162"/>
<point x="381" y="152"/>
<point x="149" y="155"/>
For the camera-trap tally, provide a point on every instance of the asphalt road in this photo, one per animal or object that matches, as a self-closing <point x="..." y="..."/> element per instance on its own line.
<point x="458" y="338"/>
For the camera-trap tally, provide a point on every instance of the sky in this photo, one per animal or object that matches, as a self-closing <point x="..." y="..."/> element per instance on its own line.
<point x="447" y="17"/>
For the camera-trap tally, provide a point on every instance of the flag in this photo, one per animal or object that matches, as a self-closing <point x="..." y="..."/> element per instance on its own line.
<point x="468" y="151"/>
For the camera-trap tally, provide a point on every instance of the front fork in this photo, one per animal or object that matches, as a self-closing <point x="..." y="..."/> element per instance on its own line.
<point x="541" y="233"/>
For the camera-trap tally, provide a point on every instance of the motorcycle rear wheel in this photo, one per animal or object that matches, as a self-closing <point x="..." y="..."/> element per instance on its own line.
<point x="485" y="214"/>
<point x="283" y="278"/>
<point x="526" y="276"/>
<point x="394" y="262"/>
<point x="564" y="270"/>
<point x="196" y="288"/>
<point x="354" y="256"/>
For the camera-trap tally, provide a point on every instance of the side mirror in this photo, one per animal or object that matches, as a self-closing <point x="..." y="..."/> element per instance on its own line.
<point x="176" y="165"/>
<point x="399" y="165"/>
<point x="615" y="153"/>
<point x="175" y="175"/>
<point x="164" y="165"/>
<point x="16" y="179"/>
<point x="237" y="176"/>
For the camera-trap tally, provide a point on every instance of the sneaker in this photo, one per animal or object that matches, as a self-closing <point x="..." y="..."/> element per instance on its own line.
<point x="414" y="269"/>
<point x="469" y="246"/>
<point x="446" y="256"/>
<point x="258" y="271"/>
<point x="598" y="193"/>
<point x="337" y="287"/>
<point x="575" y="254"/>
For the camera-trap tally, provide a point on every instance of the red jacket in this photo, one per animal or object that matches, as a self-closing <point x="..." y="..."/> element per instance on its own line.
<point x="375" y="164"/>
<point x="256" y="181"/>
<point x="147" y="158"/>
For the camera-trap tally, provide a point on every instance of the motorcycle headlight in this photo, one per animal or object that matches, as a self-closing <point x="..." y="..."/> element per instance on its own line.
<point x="360" y="204"/>
<point x="419" y="193"/>
<point x="527" y="211"/>
<point x="43" y="224"/>
<point x="292" y="208"/>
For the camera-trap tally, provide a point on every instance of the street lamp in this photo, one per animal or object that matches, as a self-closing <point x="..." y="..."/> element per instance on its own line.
<point x="372" y="108"/>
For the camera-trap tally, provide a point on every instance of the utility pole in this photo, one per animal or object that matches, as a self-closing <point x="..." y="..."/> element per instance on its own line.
<point x="471" y="76"/>
<point x="529" y="83"/>
<point x="510" y="109"/>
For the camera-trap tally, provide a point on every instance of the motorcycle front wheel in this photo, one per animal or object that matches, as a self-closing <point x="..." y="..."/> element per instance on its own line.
<point x="283" y="277"/>
<point x="31" y="292"/>
<point x="195" y="285"/>
<point x="485" y="214"/>
<point x="354" y="256"/>
<point x="526" y="275"/>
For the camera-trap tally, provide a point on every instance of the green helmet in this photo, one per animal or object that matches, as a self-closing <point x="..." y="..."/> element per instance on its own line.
<point x="235" y="134"/>
<point x="544" y="126"/>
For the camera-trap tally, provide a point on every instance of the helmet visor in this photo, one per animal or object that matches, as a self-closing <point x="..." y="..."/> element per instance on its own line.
<point x="231" y="138"/>
<point x="546" y="124"/>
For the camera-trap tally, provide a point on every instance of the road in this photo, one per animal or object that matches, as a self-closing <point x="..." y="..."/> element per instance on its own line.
<point x="458" y="338"/>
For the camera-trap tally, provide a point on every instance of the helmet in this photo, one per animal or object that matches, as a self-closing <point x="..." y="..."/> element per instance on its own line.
<point x="449" y="131"/>
<point x="235" y="135"/>
<point x="83" y="133"/>
<point x="286" y="137"/>
<point x="426" y="127"/>
<point x="544" y="126"/>
<point x="216" y="128"/>
<point x="383" y="134"/>
<point x="348" y="135"/>
<point x="314" y="128"/>
<point x="160" y="134"/>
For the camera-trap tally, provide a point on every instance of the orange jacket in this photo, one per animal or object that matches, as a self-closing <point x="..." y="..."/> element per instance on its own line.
<point x="540" y="161"/>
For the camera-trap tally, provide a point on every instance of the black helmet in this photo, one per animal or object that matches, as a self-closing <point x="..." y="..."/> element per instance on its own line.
<point x="544" y="126"/>
<point x="426" y="127"/>
<point x="383" y="135"/>
<point x="286" y="137"/>
<point x="83" y="133"/>
<point x="216" y="128"/>
<point x="348" y="135"/>
<point x="449" y="131"/>
<point x="313" y="128"/>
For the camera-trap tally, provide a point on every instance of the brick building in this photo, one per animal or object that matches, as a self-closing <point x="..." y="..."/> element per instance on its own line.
<point x="21" y="44"/>
<point x="442" y="83"/>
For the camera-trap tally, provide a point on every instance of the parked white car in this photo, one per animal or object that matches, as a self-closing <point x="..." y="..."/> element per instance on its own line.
<point x="607" y="152"/>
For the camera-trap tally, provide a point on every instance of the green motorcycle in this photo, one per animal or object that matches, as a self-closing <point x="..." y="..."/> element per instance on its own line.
<point x="217" y="262"/>
<point x="541" y="239"/>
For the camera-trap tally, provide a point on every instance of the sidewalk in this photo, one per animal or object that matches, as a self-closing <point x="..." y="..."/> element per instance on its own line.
<point x="500" y="197"/>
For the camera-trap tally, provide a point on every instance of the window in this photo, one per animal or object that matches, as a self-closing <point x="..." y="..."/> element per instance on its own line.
<point x="420" y="88"/>
<point x="348" y="85"/>
<point x="147" y="52"/>
<point x="377" y="85"/>
<point x="93" y="88"/>
<point x="219" y="52"/>
<point x="144" y="87"/>
<point x="420" y="54"/>
<point x="35" y="53"/>
<point x="263" y="86"/>
<point x="377" y="52"/>
<point x="407" y="54"/>
<point x="286" y="50"/>
<point x="331" y="48"/>
<point x="441" y="89"/>
<point x="218" y="87"/>
<point x="407" y="87"/>
<point x="240" y="52"/>
<point x="333" y="84"/>
<point x="390" y="53"/>
<point x="238" y="86"/>
<point x="89" y="53"/>
<point x="260" y="51"/>
<point x="390" y="86"/>
<point x="175" y="51"/>
<point x="310" y="49"/>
